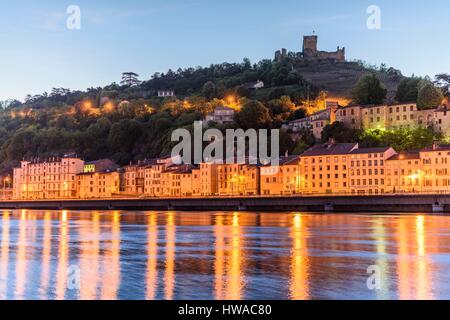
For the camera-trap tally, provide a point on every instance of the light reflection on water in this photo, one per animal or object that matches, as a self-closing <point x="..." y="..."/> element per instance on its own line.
<point x="216" y="255"/>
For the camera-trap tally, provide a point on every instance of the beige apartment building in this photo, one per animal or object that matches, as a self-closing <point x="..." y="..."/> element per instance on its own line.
<point x="284" y="179"/>
<point x="54" y="178"/>
<point x="367" y="170"/>
<point x="134" y="178"/>
<point x="404" y="173"/>
<point x="208" y="179"/>
<point x="435" y="174"/>
<point x="325" y="168"/>
<point x="153" y="170"/>
<point x="376" y="117"/>
<point x="180" y="181"/>
<point x="100" y="179"/>
<point x="344" y="168"/>
<point x="238" y="179"/>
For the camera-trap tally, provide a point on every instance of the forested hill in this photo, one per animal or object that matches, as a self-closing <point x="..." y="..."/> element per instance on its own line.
<point x="127" y="121"/>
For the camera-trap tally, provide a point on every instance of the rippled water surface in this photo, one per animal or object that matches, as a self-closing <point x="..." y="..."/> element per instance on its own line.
<point x="216" y="255"/>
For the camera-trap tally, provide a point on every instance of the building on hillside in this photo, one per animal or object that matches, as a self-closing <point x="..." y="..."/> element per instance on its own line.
<point x="389" y="117"/>
<point x="255" y="85"/>
<point x="315" y="122"/>
<point x="53" y="178"/>
<point x="284" y="179"/>
<point x="166" y="93"/>
<point x="220" y="115"/>
<point x="100" y="179"/>
<point x="350" y="116"/>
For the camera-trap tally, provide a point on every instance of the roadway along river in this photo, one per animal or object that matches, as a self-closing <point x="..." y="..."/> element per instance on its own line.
<point x="218" y="255"/>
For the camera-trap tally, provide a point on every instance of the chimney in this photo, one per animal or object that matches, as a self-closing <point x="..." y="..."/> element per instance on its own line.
<point x="435" y="146"/>
<point x="331" y="142"/>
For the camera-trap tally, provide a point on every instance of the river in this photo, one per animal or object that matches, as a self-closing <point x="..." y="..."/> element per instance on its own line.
<point x="222" y="255"/>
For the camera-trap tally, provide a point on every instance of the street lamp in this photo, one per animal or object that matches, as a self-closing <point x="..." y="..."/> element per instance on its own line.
<point x="400" y="158"/>
<point x="5" y="181"/>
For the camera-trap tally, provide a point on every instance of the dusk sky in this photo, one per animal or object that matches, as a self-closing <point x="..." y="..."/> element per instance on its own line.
<point x="38" y="52"/>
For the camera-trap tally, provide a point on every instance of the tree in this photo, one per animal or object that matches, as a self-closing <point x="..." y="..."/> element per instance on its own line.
<point x="277" y="93"/>
<point x="429" y="96"/>
<point x="408" y="90"/>
<point x="123" y="135"/>
<point x="339" y="132"/>
<point x="369" y="90"/>
<point x="401" y="140"/>
<point x="253" y="115"/>
<point x="130" y="79"/>
<point x="443" y="81"/>
<point x="209" y="90"/>
<point x="299" y="113"/>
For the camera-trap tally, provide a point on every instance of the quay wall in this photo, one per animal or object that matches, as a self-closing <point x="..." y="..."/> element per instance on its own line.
<point x="349" y="204"/>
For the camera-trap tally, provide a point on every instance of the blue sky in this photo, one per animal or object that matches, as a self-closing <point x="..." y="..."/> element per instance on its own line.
<point x="38" y="52"/>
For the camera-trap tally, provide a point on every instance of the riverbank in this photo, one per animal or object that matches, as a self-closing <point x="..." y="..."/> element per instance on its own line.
<point x="381" y="203"/>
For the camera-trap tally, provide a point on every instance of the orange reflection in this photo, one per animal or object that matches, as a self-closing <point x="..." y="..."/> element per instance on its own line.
<point x="235" y="277"/>
<point x="380" y="245"/>
<point x="299" y="286"/>
<point x="21" y="260"/>
<point x="4" y="256"/>
<point x="63" y="252"/>
<point x="169" y="275"/>
<point x="220" y="261"/>
<point x="423" y="278"/>
<point x="46" y="254"/>
<point x="414" y="279"/>
<point x="152" y="256"/>
<point x="111" y="262"/>
<point x="89" y="265"/>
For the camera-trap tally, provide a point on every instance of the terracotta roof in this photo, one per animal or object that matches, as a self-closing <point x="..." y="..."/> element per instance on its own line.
<point x="289" y="160"/>
<point x="330" y="149"/>
<point x="224" y="108"/>
<point x="405" y="156"/>
<point x="437" y="148"/>
<point x="370" y="150"/>
<point x="104" y="165"/>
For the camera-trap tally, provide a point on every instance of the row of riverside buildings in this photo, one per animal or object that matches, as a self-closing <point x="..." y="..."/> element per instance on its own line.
<point x="327" y="169"/>
<point x="375" y="117"/>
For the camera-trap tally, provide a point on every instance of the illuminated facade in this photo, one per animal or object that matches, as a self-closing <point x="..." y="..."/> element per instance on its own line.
<point x="344" y="169"/>
<point x="284" y="179"/>
<point x="393" y="117"/>
<point x="327" y="169"/>
<point x="404" y="173"/>
<point x="153" y="170"/>
<point x="180" y="181"/>
<point x="54" y="178"/>
<point x="208" y="179"/>
<point x="238" y="179"/>
<point x="100" y="179"/>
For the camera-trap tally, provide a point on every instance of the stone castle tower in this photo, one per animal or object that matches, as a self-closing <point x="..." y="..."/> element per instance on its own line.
<point x="310" y="51"/>
<point x="310" y="46"/>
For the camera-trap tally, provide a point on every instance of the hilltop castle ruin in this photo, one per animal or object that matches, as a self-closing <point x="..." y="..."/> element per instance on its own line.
<point x="310" y="51"/>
